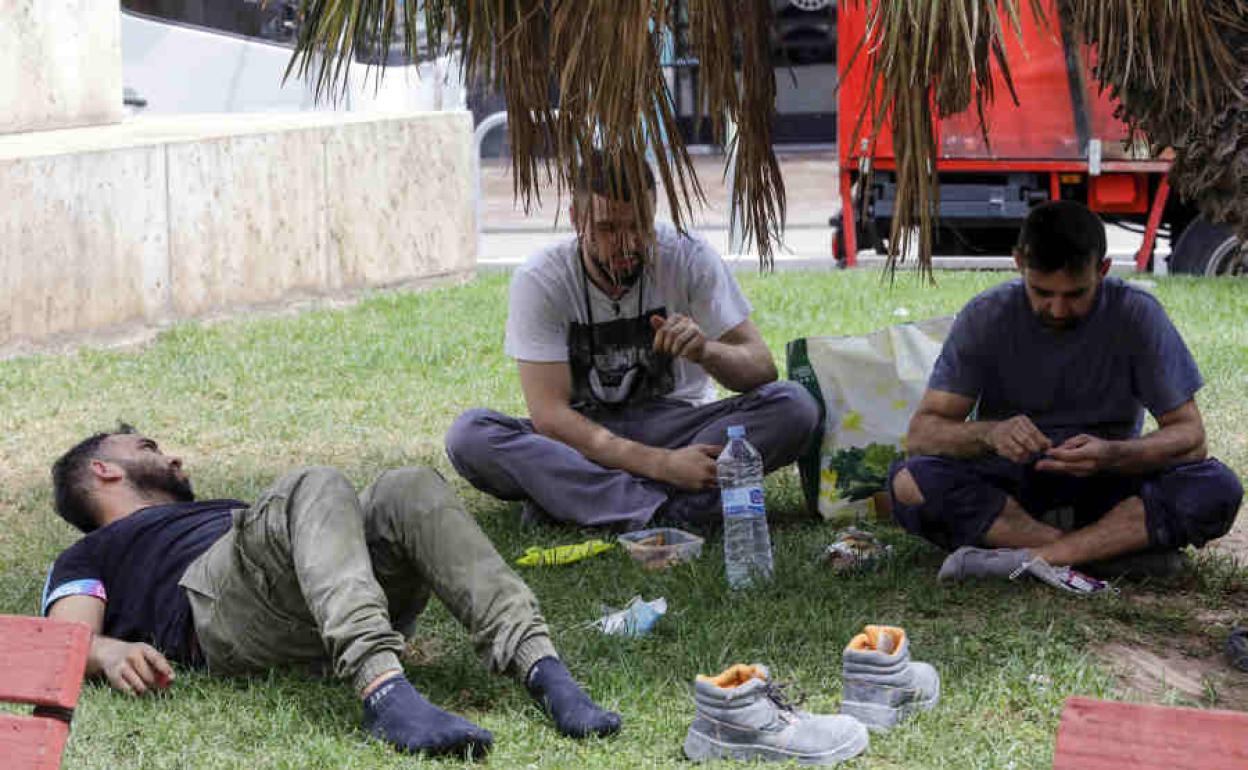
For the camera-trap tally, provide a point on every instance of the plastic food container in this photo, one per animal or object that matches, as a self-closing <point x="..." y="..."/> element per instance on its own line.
<point x="661" y="548"/>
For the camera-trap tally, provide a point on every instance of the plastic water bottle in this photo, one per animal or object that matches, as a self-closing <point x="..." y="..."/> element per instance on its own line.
<point x="747" y="543"/>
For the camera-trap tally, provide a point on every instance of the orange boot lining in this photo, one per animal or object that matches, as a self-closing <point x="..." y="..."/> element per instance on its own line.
<point x="734" y="676"/>
<point x="872" y="636"/>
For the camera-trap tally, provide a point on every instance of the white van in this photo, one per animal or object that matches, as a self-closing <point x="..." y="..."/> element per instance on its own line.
<point x="206" y="56"/>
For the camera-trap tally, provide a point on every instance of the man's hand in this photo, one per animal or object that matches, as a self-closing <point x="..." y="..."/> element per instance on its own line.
<point x="1082" y="455"/>
<point x="679" y="337"/>
<point x="135" y="668"/>
<point x="692" y="468"/>
<point x="1017" y="439"/>
<point x="130" y="667"/>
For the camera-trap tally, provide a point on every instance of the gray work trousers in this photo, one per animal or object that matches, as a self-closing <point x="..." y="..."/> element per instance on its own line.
<point x="315" y="576"/>
<point x="505" y="457"/>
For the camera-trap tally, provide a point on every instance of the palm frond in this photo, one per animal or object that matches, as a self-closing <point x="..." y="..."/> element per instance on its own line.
<point x="577" y="74"/>
<point x="1179" y="69"/>
<point x="928" y="59"/>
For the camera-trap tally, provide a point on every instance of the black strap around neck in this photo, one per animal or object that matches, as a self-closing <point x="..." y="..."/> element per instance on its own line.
<point x="589" y="308"/>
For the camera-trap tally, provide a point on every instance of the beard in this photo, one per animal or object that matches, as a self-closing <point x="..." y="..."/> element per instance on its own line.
<point x="151" y="477"/>
<point x="621" y="279"/>
<point x="1059" y="324"/>
<point x="628" y="279"/>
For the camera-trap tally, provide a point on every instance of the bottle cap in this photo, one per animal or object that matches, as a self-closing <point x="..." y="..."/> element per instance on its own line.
<point x="736" y="431"/>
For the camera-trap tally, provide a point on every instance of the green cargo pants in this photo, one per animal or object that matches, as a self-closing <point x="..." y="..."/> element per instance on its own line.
<point x="314" y="576"/>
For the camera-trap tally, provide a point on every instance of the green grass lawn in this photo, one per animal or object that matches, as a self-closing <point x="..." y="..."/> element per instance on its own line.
<point x="377" y="385"/>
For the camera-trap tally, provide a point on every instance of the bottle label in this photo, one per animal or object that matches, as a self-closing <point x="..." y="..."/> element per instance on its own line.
<point x="743" y="501"/>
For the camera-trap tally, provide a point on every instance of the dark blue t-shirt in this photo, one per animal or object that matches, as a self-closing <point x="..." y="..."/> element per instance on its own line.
<point x="1097" y="378"/>
<point x="134" y="565"/>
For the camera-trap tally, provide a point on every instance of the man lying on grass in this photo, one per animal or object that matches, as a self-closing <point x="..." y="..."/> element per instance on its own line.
<point x="1058" y="368"/>
<point x="311" y="576"/>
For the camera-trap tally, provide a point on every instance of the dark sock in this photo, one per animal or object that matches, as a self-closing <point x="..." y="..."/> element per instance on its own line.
<point x="1237" y="648"/>
<point x="1160" y="563"/>
<point x="399" y="715"/>
<point x="563" y="700"/>
<point x="698" y="511"/>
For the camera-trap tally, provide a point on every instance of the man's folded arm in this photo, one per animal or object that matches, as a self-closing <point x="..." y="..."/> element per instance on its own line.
<point x="740" y="359"/>
<point x="939" y="427"/>
<point x="131" y="667"/>
<point x="1179" y="438"/>
<point x="547" y="390"/>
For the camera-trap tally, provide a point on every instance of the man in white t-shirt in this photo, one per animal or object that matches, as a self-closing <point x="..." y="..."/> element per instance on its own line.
<point x="618" y="333"/>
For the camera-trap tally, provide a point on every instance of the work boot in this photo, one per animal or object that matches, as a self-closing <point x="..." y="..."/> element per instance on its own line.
<point x="882" y="686"/>
<point x="741" y="714"/>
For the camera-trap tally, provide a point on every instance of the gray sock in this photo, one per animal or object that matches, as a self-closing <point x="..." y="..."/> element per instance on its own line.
<point x="968" y="562"/>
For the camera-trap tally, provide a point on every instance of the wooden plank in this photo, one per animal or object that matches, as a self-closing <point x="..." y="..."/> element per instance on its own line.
<point x="42" y="661"/>
<point x="31" y="743"/>
<point x="1104" y="735"/>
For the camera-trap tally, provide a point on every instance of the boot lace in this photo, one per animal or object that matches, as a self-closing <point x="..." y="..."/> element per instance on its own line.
<point x="786" y="696"/>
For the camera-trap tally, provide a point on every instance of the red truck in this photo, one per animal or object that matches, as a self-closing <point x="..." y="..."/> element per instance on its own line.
<point x="1061" y="141"/>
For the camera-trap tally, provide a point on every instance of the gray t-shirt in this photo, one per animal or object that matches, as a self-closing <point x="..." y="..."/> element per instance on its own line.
<point x="612" y="360"/>
<point x="1097" y="378"/>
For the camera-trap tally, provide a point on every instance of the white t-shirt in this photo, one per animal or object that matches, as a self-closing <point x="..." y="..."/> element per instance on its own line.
<point x="613" y="361"/>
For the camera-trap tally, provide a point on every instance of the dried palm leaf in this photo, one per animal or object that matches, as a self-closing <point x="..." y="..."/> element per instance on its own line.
<point x="577" y="74"/>
<point x="758" y="189"/>
<point x="1179" y="69"/>
<point x="928" y="59"/>
<point x="582" y="73"/>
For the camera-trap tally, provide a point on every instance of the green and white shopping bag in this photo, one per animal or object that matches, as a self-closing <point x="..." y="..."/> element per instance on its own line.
<point x="868" y="387"/>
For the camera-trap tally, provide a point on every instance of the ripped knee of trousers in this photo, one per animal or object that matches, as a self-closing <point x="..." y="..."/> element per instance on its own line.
<point x="906" y="490"/>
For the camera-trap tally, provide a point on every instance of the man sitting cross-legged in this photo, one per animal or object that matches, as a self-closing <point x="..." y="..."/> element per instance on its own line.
<point x="311" y="576"/>
<point x="1056" y="369"/>
<point x="618" y="333"/>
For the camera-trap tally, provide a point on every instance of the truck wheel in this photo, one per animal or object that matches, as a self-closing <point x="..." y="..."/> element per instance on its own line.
<point x="838" y="240"/>
<point x="1209" y="249"/>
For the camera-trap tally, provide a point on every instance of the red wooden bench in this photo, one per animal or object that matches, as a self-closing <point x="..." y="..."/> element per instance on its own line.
<point x="1104" y="735"/>
<point x="41" y="663"/>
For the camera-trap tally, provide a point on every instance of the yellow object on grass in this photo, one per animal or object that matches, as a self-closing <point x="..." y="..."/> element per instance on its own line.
<point x="536" y="556"/>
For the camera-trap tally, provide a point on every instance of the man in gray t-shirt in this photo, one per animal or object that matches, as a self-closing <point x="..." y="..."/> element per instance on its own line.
<point x="1054" y="371"/>
<point x="619" y="334"/>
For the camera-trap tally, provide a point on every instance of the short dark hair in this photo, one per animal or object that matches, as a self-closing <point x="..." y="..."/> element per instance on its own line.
<point x="69" y="480"/>
<point x="599" y="173"/>
<point x="1061" y="235"/>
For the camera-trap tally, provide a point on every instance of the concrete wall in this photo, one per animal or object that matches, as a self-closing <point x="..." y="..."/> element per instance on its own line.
<point x="140" y="224"/>
<point x="60" y="64"/>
